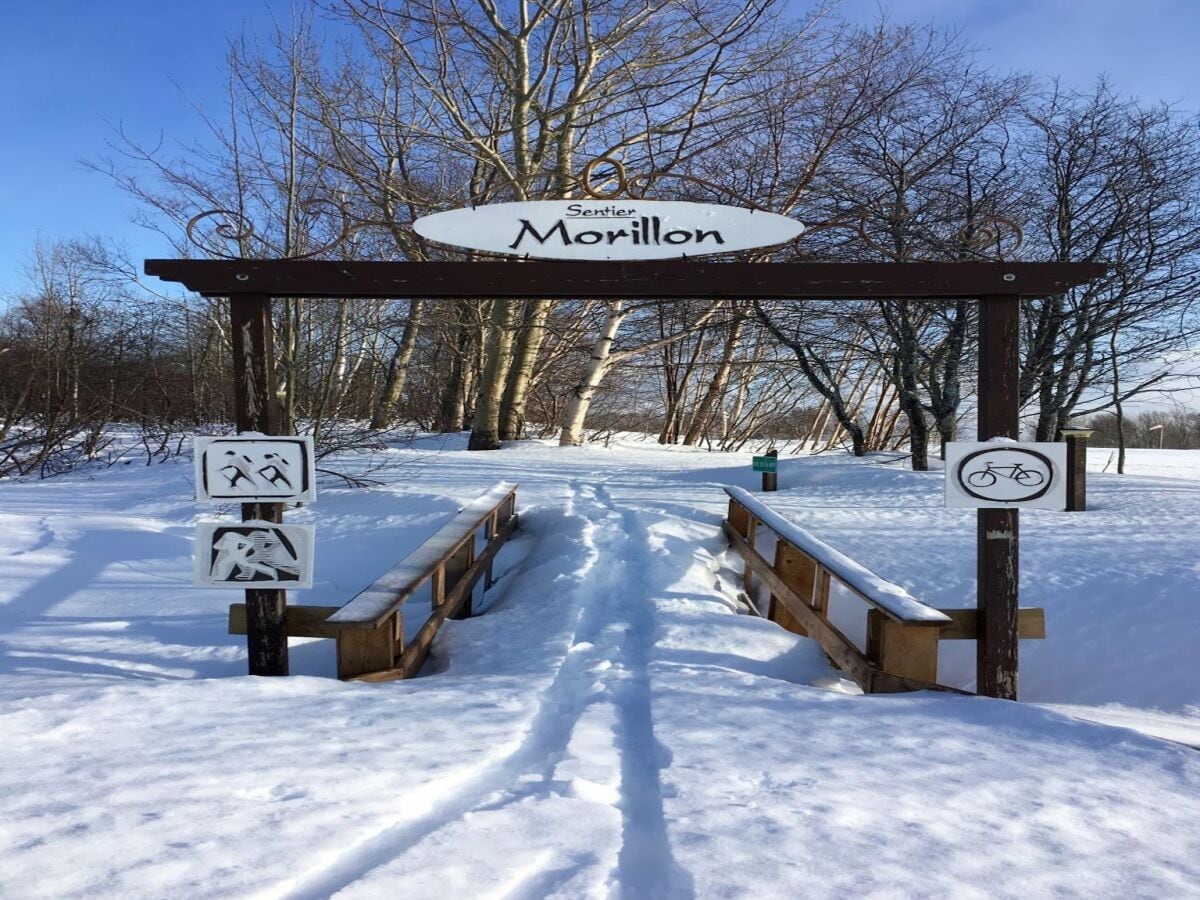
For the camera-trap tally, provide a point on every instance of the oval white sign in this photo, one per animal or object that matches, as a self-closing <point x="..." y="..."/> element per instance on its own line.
<point x="607" y="229"/>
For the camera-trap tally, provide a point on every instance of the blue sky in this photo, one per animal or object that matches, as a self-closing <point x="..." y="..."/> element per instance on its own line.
<point x="70" y="67"/>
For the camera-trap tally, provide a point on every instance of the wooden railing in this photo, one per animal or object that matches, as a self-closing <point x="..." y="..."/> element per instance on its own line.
<point x="902" y="634"/>
<point x="369" y="629"/>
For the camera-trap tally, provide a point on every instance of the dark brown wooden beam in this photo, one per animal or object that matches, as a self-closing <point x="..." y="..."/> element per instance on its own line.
<point x="663" y="279"/>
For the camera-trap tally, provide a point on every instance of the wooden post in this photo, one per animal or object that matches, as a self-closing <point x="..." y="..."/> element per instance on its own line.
<point x="489" y="532"/>
<point x="361" y="651"/>
<point x="255" y="409"/>
<point x="1076" y="474"/>
<point x="738" y="517"/>
<point x="910" y="651"/>
<point x="771" y="479"/>
<point x="820" y="591"/>
<point x="998" y="570"/>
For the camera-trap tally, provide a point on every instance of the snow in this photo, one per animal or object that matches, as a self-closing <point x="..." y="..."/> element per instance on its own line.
<point x="1120" y="583"/>
<point x="611" y="726"/>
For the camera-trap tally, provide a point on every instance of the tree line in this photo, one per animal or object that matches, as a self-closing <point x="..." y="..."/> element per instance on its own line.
<point x="892" y="143"/>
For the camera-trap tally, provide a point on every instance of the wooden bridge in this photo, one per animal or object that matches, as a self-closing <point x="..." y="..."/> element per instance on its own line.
<point x="900" y="650"/>
<point x="369" y="629"/>
<point x="898" y="653"/>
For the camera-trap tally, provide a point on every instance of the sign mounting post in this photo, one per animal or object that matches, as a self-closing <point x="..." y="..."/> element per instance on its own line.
<point x="997" y="568"/>
<point x="256" y="410"/>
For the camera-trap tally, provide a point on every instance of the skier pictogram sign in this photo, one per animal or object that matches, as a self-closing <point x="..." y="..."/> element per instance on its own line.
<point x="250" y="468"/>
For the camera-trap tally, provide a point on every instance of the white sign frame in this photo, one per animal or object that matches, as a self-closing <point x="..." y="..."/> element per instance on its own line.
<point x="614" y="229"/>
<point x="218" y="548"/>
<point x="1006" y="475"/>
<point x="252" y="461"/>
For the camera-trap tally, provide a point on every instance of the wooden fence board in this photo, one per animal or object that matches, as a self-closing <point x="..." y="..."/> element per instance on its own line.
<point x="300" y="621"/>
<point x="417" y="651"/>
<point x="964" y="624"/>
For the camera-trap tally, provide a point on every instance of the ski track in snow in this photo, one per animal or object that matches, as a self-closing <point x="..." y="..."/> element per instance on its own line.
<point x="646" y="862"/>
<point x="610" y="646"/>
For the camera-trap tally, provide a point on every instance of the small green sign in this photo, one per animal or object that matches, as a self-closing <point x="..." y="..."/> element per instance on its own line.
<point x="764" y="463"/>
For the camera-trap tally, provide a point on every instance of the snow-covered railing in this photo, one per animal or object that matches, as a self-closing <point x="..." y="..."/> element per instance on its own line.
<point x="369" y="629"/>
<point x="902" y="632"/>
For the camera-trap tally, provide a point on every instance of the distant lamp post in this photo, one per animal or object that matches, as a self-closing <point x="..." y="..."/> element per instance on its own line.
<point x="1077" y="442"/>
<point x="1161" y="429"/>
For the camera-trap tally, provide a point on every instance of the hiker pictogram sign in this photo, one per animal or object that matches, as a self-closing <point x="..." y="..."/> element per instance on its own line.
<point x="253" y="555"/>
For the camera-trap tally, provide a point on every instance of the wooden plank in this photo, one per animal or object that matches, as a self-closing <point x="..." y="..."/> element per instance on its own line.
<point x="964" y="624"/>
<point x="820" y="600"/>
<point x="997" y="530"/>
<point x="490" y="533"/>
<point x="415" y="653"/>
<point x="651" y="278"/>
<point x="300" y="621"/>
<point x="899" y="649"/>
<point x="360" y="650"/>
<point x="875" y="621"/>
<point x="381" y="599"/>
<point x="784" y="619"/>
<point x="455" y="567"/>
<point x="437" y="587"/>
<point x="738" y="517"/>
<point x="798" y="571"/>
<point x="747" y="579"/>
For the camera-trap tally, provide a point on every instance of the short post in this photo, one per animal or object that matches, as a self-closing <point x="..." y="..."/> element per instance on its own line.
<point x="1077" y="446"/>
<point x="771" y="476"/>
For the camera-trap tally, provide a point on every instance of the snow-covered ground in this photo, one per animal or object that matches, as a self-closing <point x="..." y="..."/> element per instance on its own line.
<point x="612" y="726"/>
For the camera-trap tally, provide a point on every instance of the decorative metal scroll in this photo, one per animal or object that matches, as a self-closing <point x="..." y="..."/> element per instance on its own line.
<point x="997" y="234"/>
<point x="995" y="237"/>
<point x="209" y="229"/>
<point x="990" y="232"/>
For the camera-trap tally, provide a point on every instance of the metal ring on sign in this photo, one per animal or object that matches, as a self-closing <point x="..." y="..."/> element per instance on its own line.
<point x="585" y="179"/>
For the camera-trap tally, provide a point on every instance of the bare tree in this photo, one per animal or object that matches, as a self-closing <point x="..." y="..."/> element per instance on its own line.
<point x="1117" y="183"/>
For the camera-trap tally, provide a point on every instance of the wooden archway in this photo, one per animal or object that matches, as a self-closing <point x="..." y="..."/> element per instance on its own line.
<point x="999" y="288"/>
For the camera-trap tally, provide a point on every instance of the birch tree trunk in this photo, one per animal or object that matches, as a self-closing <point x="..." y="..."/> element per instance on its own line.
<point x="520" y="376"/>
<point x="716" y="387"/>
<point x="333" y="373"/>
<point x="585" y="391"/>
<point x="485" y="430"/>
<point x="397" y="376"/>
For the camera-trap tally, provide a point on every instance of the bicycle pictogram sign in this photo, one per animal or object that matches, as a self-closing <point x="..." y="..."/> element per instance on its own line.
<point x="1005" y="475"/>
